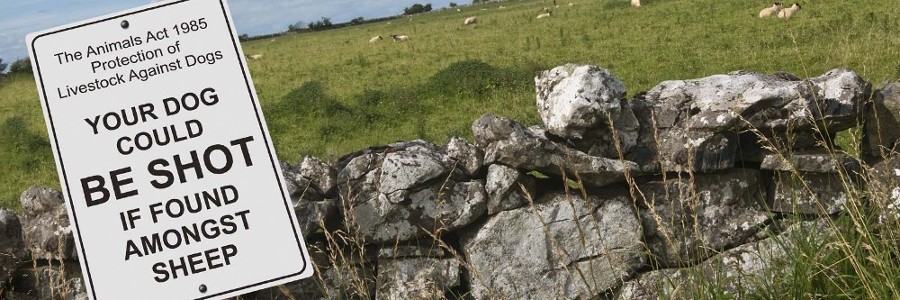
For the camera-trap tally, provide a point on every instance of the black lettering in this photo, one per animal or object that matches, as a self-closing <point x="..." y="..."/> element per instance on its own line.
<point x="131" y="249"/>
<point x="192" y="260"/>
<point x="208" y="162"/>
<point x="152" y="168"/>
<point x="160" y="268"/>
<point x="89" y="191"/>
<point x="193" y="163"/>
<point x="243" y="143"/>
<point x="118" y="183"/>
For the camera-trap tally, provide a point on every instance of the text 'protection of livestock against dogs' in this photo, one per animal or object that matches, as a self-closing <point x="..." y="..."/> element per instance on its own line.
<point x="169" y="173"/>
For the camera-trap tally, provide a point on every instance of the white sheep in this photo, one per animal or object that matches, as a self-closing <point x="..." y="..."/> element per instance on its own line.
<point x="502" y="7"/>
<point x="571" y="4"/>
<point x="375" y="39"/>
<point x="787" y="13"/>
<point x="255" y="56"/>
<point x="400" y="38"/>
<point x="458" y="10"/>
<point x="470" y="21"/>
<point x="636" y="3"/>
<point x="770" y="11"/>
<point x="544" y="15"/>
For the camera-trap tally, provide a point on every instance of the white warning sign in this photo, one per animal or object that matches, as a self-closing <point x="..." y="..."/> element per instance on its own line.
<point x="170" y="176"/>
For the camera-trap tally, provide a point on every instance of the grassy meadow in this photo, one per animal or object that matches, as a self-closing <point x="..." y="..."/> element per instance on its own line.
<point x="331" y="92"/>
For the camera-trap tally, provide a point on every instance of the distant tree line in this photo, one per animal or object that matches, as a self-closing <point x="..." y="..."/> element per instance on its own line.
<point x="18" y="66"/>
<point x="417" y="9"/>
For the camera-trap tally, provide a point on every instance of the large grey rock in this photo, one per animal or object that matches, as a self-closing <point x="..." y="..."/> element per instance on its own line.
<point x="51" y="282"/>
<point x="416" y="278"/>
<point x="318" y="173"/>
<point x="691" y="219"/>
<point x="749" y="271"/>
<point x="467" y="155"/>
<point x="45" y="225"/>
<point x="882" y="120"/>
<point x="406" y="188"/>
<point x="509" y="143"/>
<point x="685" y="118"/>
<point x="884" y="188"/>
<point x="504" y="188"/>
<point x="12" y="246"/>
<point x="563" y="248"/>
<point x="315" y="216"/>
<point x="811" y="193"/>
<point x="574" y="98"/>
<point x="812" y="182"/>
<point x="817" y="161"/>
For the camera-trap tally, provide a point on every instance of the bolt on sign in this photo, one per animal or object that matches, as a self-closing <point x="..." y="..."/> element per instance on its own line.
<point x="167" y="167"/>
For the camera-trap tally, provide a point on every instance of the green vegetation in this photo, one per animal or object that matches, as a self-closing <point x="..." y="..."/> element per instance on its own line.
<point x="331" y="92"/>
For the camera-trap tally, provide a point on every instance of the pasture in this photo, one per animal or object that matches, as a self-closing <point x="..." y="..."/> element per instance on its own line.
<point x="331" y="92"/>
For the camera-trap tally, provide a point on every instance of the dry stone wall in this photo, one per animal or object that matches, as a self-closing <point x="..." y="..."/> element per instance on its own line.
<point x="610" y="198"/>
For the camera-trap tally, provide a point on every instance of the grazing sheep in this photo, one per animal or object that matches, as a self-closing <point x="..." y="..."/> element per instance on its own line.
<point x="458" y="10"/>
<point x="770" y="11"/>
<point x="256" y="56"/>
<point x="470" y="21"/>
<point x="787" y="13"/>
<point x="571" y="4"/>
<point x="400" y="38"/>
<point x="636" y="3"/>
<point x="375" y="39"/>
<point x="544" y="15"/>
<point x="546" y="9"/>
<point x="502" y="6"/>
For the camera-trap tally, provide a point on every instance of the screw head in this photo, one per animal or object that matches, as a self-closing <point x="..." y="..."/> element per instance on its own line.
<point x="203" y="288"/>
<point x="124" y="24"/>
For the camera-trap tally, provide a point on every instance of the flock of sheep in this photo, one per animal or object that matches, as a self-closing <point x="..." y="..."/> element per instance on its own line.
<point x="776" y="10"/>
<point x="473" y="20"/>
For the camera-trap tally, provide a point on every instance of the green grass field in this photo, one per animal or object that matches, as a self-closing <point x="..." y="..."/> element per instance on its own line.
<point x="332" y="92"/>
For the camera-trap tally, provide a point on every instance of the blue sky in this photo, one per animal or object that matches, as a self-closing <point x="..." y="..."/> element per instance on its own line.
<point x="20" y="17"/>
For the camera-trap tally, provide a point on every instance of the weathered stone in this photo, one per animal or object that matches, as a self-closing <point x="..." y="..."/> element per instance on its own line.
<point x="397" y="191"/>
<point x="504" y="190"/>
<point x="691" y="219"/>
<point x="312" y="215"/>
<point x="518" y="147"/>
<point x="884" y="187"/>
<point x="564" y="247"/>
<point x="753" y="269"/>
<point x="611" y="141"/>
<point x="417" y="249"/>
<point x="318" y="173"/>
<point x="467" y="155"/>
<point x="818" y="161"/>
<point x="882" y="120"/>
<point x="403" y="171"/>
<point x="383" y="220"/>
<point x="52" y="282"/>
<point x="416" y="278"/>
<point x="697" y="114"/>
<point x="811" y="193"/>
<point x="45" y="225"/>
<point x="299" y="187"/>
<point x="574" y="98"/>
<point x="490" y="128"/>
<point x="12" y="246"/>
